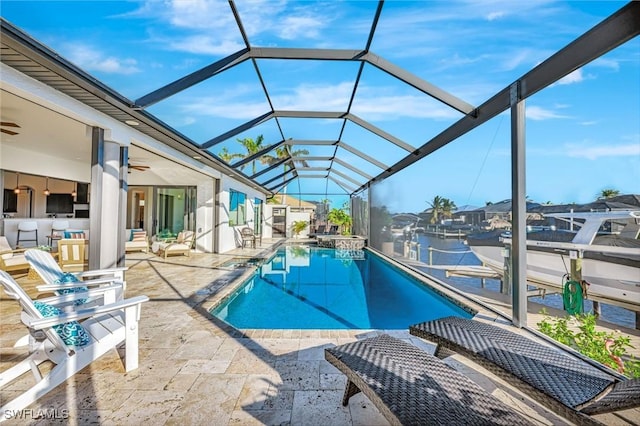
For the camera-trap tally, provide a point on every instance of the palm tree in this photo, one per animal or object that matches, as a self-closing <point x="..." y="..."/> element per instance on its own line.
<point x="228" y="157"/>
<point x="341" y="218"/>
<point x="252" y="147"/>
<point x="283" y="152"/>
<point x="448" y="207"/>
<point x="436" y="205"/>
<point x="608" y="193"/>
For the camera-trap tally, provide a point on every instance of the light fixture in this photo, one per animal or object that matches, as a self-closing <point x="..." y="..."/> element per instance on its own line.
<point x="132" y="122"/>
<point x="74" y="193"/>
<point x="197" y="157"/>
<point x="46" y="188"/>
<point x="17" y="188"/>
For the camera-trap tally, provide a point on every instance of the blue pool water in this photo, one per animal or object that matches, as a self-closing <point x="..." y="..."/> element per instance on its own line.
<point x="317" y="288"/>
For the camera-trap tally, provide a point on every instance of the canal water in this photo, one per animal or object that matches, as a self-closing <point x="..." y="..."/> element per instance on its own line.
<point x="452" y="251"/>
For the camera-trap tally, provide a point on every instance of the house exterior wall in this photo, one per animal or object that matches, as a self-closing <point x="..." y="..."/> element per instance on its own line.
<point x="205" y="216"/>
<point x="294" y="217"/>
<point x="229" y="236"/>
<point x="211" y="222"/>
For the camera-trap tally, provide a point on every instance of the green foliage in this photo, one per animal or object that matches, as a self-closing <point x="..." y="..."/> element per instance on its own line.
<point x="298" y="226"/>
<point x="227" y="156"/>
<point x="299" y="252"/>
<point x="341" y="218"/>
<point x="608" y="193"/>
<point x="591" y="342"/>
<point x="441" y="207"/>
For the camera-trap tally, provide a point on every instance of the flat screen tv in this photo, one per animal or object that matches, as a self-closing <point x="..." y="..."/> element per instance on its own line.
<point x="10" y="202"/>
<point x="60" y="203"/>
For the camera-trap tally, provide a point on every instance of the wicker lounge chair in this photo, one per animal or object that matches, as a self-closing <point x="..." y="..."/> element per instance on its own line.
<point x="567" y="384"/>
<point x="412" y="387"/>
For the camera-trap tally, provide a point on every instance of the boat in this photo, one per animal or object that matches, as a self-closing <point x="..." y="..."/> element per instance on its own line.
<point x="607" y="243"/>
<point x="405" y="225"/>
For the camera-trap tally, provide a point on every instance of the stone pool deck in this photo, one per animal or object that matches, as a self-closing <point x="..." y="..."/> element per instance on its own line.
<point x="195" y="369"/>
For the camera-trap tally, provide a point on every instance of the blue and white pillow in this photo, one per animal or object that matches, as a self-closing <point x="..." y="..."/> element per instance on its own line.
<point x="67" y="278"/>
<point x="71" y="333"/>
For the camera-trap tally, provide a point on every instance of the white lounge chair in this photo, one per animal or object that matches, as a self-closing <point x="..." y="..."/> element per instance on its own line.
<point x="106" y="327"/>
<point x="51" y="273"/>
<point x="10" y="259"/>
<point x="181" y="245"/>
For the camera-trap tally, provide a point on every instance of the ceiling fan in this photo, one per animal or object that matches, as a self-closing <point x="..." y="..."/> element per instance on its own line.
<point x="8" y="124"/>
<point x="139" y="168"/>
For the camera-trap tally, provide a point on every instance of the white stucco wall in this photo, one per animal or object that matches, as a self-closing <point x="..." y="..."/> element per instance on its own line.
<point x="205" y="216"/>
<point x="229" y="236"/>
<point x="294" y="217"/>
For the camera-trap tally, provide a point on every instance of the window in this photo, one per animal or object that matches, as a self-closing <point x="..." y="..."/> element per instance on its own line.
<point x="257" y="216"/>
<point x="237" y="209"/>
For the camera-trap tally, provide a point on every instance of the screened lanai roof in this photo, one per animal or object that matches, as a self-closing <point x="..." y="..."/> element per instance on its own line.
<point x="340" y="93"/>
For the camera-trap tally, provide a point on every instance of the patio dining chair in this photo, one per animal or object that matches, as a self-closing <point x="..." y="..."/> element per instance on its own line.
<point x="70" y="345"/>
<point x="248" y="236"/>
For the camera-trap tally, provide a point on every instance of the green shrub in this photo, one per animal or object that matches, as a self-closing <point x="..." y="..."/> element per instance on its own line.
<point x="591" y="342"/>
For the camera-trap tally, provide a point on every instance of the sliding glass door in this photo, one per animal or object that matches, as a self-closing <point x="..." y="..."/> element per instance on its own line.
<point x="175" y="209"/>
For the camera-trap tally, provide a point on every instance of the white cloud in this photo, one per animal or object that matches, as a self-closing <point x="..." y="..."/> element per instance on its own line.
<point x="496" y="15"/>
<point x="370" y="103"/>
<point x="538" y="113"/>
<point x="197" y="14"/>
<point x="597" y="152"/>
<point x="202" y="44"/>
<point x="294" y="27"/>
<point x="91" y="59"/>
<point x="393" y="107"/>
<point x="606" y="63"/>
<point x="381" y="103"/>
<point x="237" y="109"/>
<point x="574" y="77"/>
<point x="589" y="123"/>
<point x="513" y="61"/>
<point x="324" y="97"/>
<point x="237" y="102"/>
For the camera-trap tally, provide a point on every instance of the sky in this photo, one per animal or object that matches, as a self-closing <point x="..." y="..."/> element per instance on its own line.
<point x="582" y="133"/>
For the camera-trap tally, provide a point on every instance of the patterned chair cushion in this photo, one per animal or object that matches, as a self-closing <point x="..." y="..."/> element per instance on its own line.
<point x="70" y="278"/>
<point x="71" y="333"/>
<point x="74" y="234"/>
<point x="139" y="236"/>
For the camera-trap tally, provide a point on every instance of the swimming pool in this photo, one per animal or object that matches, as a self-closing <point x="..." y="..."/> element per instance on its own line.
<point x="304" y="287"/>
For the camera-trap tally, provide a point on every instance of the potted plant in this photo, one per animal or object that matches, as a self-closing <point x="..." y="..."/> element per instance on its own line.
<point x="298" y="226"/>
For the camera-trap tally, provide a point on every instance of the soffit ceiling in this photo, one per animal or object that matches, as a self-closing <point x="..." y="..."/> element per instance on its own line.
<point x="339" y="138"/>
<point x="64" y="137"/>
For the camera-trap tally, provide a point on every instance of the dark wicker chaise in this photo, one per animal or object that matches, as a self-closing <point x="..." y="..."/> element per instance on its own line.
<point x="412" y="387"/>
<point x="571" y="386"/>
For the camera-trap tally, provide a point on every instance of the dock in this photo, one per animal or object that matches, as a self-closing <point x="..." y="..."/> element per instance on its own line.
<point x="446" y="232"/>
